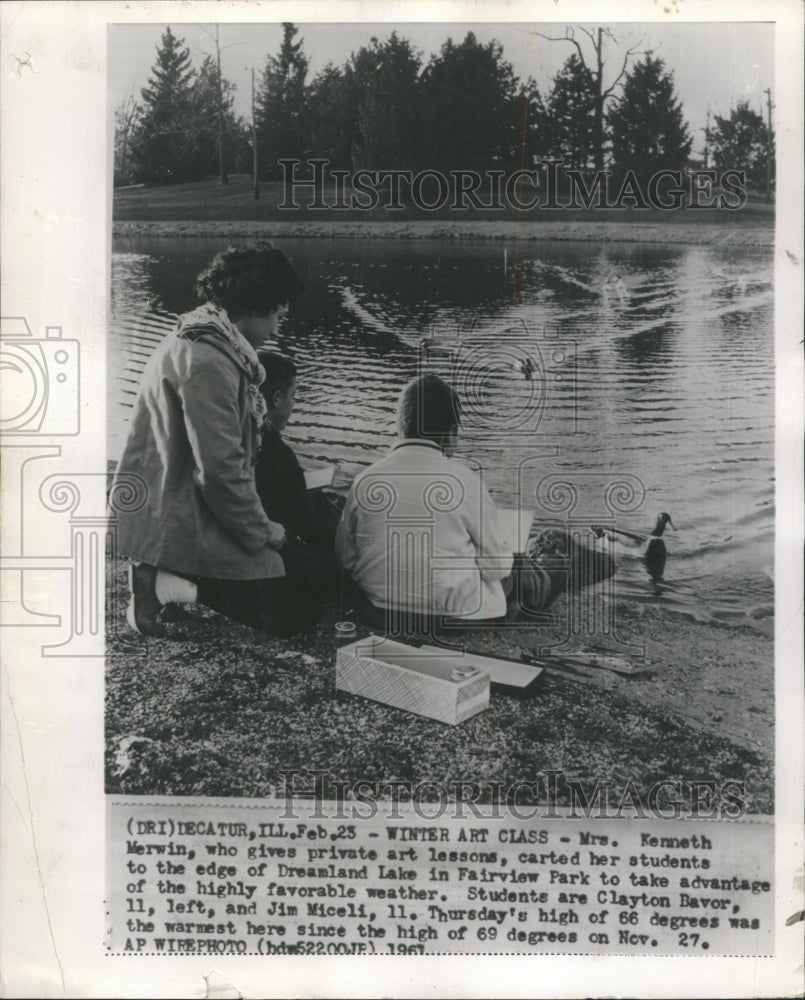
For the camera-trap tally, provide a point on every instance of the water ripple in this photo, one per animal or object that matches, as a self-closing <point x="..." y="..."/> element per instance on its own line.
<point x="670" y="379"/>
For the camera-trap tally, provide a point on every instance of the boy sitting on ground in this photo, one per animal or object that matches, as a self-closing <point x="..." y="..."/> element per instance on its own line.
<point x="309" y="518"/>
<point x="420" y="534"/>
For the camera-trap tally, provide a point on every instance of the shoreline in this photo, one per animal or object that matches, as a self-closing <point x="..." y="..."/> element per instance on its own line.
<point x="704" y="712"/>
<point x="694" y="233"/>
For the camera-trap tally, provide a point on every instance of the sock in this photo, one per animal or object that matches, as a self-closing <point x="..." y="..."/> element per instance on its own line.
<point x="172" y="589"/>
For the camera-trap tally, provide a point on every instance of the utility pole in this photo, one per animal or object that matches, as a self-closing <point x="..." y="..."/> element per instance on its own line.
<point x="769" y="146"/>
<point x="707" y="140"/>
<point x="221" y="165"/>
<point x="254" y="147"/>
<point x="598" y="114"/>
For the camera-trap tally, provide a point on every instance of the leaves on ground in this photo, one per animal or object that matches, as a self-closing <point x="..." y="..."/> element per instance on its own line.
<point x="217" y="711"/>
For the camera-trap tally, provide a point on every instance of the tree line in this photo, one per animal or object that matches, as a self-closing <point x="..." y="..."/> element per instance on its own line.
<point x="386" y="108"/>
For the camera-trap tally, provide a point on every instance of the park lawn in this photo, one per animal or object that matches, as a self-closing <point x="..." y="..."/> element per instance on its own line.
<point x="210" y="201"/>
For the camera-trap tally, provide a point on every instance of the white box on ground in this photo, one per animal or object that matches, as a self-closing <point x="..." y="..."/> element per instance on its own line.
<point x="437" y="684"/>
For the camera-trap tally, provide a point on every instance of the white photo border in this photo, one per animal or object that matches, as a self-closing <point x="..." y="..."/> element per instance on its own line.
<point x="56" y="233"/>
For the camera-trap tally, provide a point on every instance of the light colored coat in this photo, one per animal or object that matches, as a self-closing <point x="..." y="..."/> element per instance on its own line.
<point x="420" y="533"/>
<point x="193" y="441"/>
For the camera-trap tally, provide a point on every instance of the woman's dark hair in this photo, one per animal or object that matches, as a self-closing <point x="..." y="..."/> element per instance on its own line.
<point x="250" y="279"/>
<point x="429" y="408"/>
<point x="280" y="372"/>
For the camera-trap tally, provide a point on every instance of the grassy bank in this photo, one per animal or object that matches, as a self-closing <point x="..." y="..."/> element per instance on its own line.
<point x="215" y="711"/>
<point x="210" y="208"/>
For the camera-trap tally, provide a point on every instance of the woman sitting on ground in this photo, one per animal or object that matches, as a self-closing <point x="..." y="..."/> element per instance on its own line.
<point x="201" y="532"/>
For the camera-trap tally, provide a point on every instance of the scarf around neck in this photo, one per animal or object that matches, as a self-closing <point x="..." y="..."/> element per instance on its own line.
<point x="211" y="321"/>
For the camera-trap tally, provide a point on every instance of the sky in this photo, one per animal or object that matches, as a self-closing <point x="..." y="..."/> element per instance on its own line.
<point x="715" y="65"/>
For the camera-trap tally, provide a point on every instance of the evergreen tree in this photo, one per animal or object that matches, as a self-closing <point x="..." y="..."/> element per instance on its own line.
<point x="532" y="124"/>
<point x="570" y="120"/>
<point x="743" y="142"/>
<point x="385" y="76"/>
<point x="332" y="116"/>
<point x="282" y="128"/>
<point x="163" y="143"/>
<point x="214" y="118"/>
<point x="648" y="129"/>
<point x="470" y="109"/>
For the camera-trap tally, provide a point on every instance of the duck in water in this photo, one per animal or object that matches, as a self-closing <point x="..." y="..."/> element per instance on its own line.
<point x="654" y="555"/>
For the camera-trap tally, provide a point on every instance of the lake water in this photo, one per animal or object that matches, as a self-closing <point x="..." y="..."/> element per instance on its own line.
<point x="652" y="383"/>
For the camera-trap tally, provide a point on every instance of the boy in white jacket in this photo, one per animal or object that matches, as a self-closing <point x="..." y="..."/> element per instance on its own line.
<point x="420" y="533"/>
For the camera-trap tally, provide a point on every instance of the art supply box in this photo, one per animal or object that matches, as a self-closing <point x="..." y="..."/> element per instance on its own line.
<point x="437" y="683"/>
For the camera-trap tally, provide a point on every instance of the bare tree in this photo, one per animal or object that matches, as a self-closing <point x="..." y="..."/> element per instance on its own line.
<point x="126" y="115"/>
<point x="602" y="93"/>
<point x="221" y="102"/>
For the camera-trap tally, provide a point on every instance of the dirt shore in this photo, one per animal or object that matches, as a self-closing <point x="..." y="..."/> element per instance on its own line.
<point x="701" y="233"/>
<point x="215" y="710"/>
